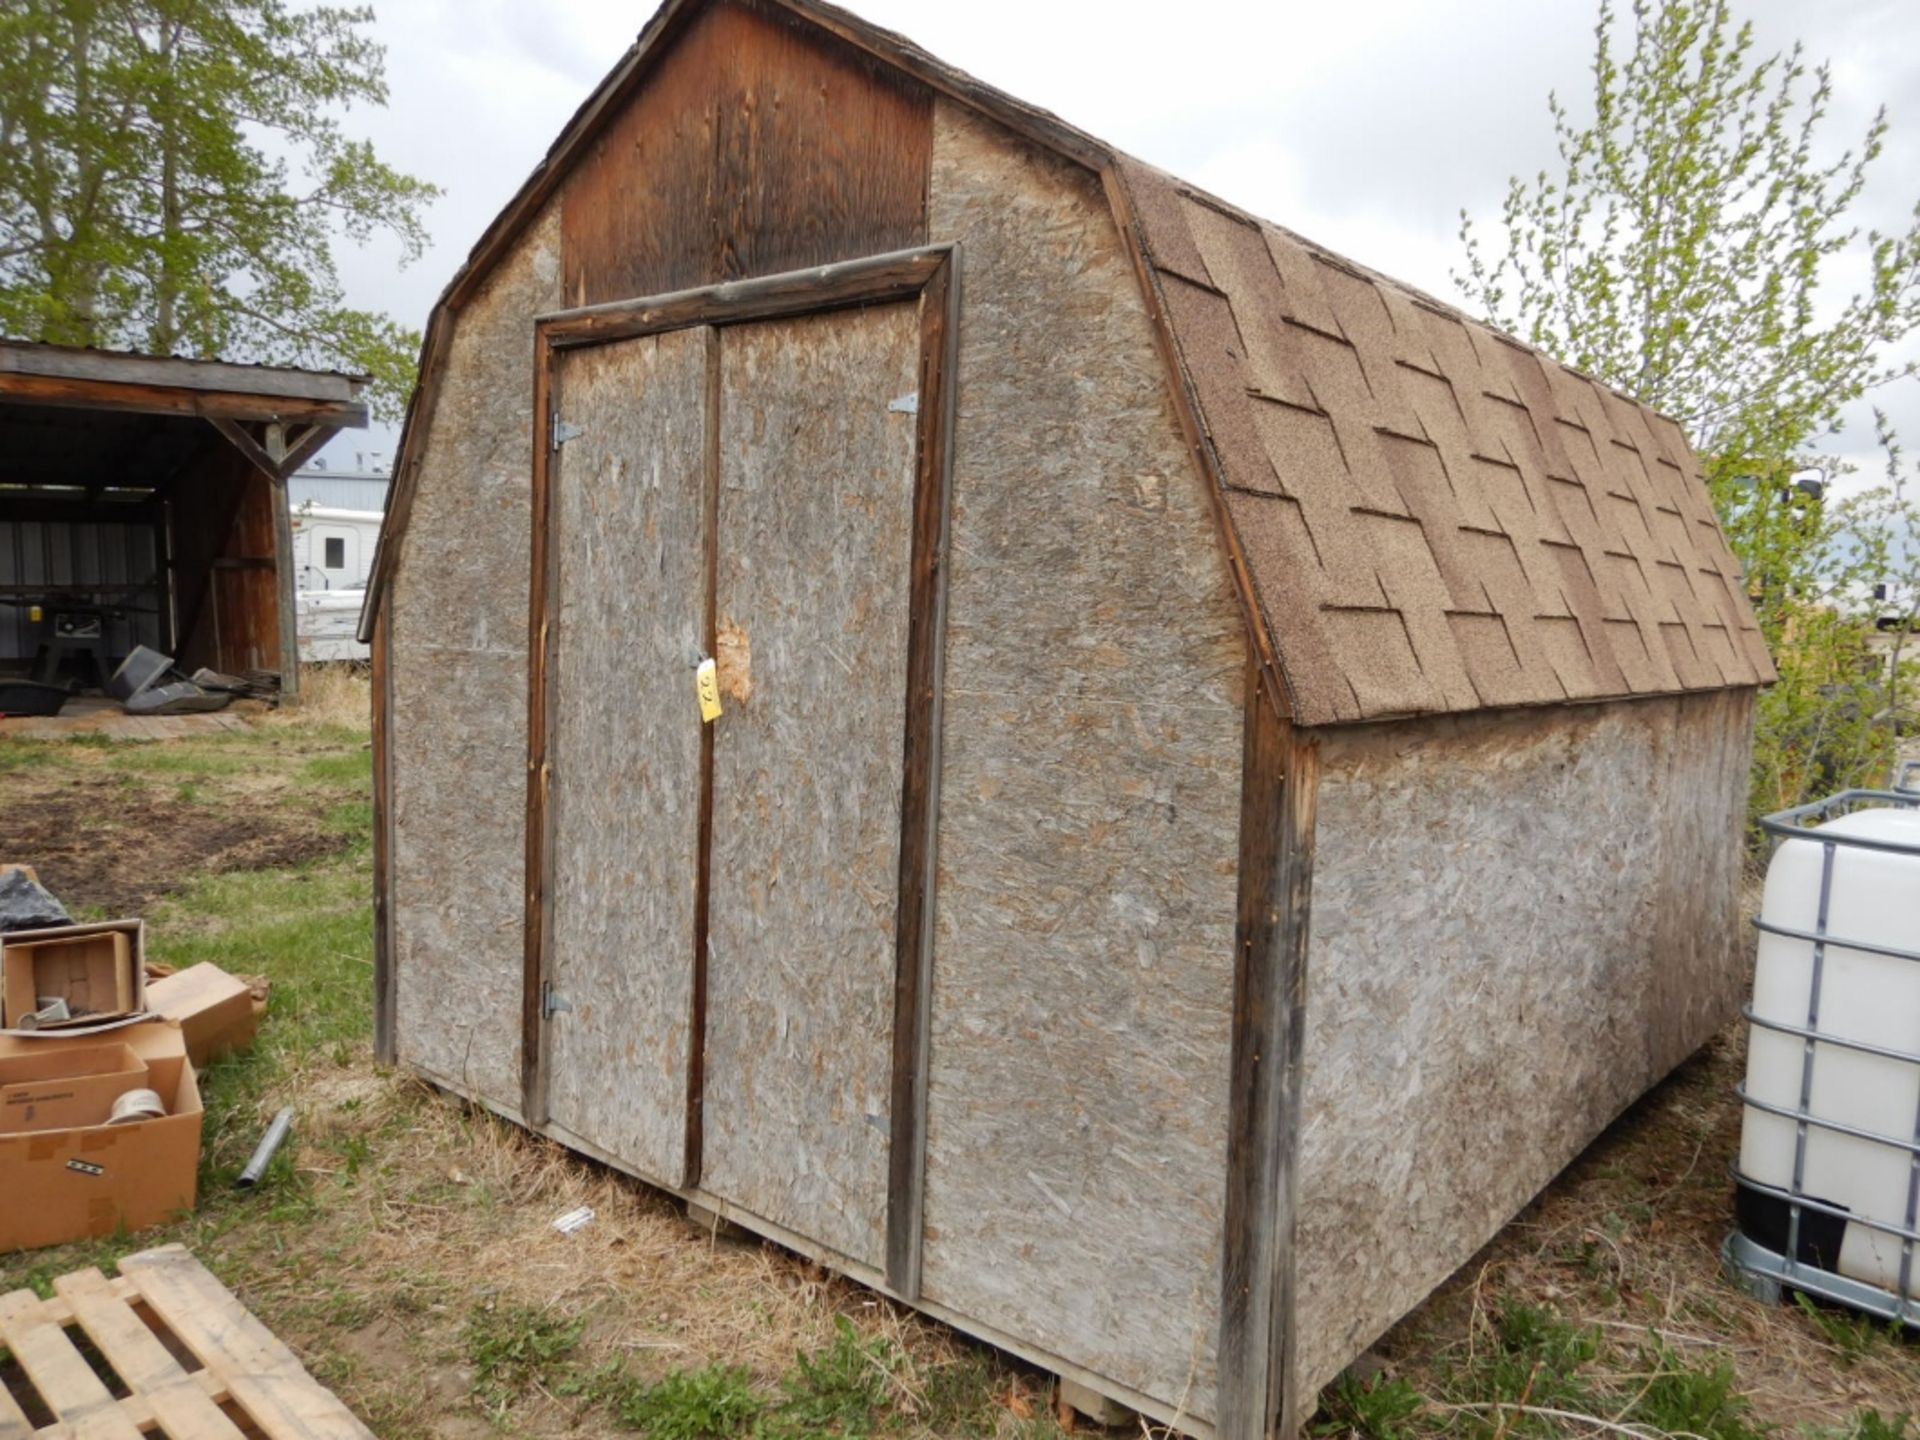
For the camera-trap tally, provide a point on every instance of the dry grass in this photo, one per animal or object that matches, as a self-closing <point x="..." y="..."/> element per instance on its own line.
<point x="1623" y="1250"/>
<point x="449" y="1211"/>
<point x="335" y="695"/>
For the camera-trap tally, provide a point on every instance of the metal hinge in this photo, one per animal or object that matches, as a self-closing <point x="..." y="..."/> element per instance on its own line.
<point x="563" y="432"/>
<point x="552" y="1002"/>
<point x="908" y="404"/>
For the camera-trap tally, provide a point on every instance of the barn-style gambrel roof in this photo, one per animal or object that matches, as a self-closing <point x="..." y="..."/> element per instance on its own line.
<point x="1436" y="517"/>
<point x="1422" y="515"/>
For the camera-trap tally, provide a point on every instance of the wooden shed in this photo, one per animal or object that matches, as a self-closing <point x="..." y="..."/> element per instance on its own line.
<point x="1230" y="773"/>
<point x="143" y="501"/>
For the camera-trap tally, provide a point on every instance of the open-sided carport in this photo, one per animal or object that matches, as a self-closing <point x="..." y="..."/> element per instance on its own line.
<point x="143" y="501"/>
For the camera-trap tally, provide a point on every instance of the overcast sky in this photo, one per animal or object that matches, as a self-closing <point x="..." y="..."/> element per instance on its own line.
<point x="1365" y="125"/>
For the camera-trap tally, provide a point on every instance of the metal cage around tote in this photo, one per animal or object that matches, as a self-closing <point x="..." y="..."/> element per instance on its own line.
<point x="1761" y="1268"/>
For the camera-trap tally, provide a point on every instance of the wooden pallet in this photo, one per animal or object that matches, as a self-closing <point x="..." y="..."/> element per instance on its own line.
<point x="190" y="1361"/>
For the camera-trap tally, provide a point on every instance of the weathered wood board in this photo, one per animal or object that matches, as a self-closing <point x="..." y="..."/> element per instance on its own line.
<point x="459" y="721"/>
<point x="817" y="453"/>
<point x="1520" y="922"/>
<point x="756" y="144"/>
<point x="1090" y="802"/>
<point x="628" y="540"/>
<point x="164" y="1349"/>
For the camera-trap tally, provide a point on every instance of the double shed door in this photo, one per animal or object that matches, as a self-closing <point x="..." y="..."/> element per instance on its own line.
<point x="748" y="492"/>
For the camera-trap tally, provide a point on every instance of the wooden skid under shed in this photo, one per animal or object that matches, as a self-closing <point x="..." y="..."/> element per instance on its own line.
<point x="193" y="1363"/>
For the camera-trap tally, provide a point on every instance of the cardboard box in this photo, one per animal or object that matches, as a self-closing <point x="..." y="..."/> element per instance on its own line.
<point x="61" y="1185"/>
<point x="60" y="1087"/>
<point x="98" y="969"/>
<point x="216" y="1010"/>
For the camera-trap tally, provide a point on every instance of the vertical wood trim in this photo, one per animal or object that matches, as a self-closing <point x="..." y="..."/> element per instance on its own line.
<point x="283" y="589"/>
<point x="385" y="1032"/>
<point x="1280" y="783"/>
<point x="543" y="586"/>
<point x="703" y="874"/>
<point x="1299" y="822"/>
<point x="920" y="777"/>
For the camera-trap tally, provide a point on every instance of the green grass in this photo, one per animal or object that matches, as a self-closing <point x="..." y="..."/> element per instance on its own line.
<point x="1851" y="1334"/>
<point x="309" y="929"/>
<point x="710" y="1403"/>
<point x="840" y="1389"/>
<point x="353" y="768"/>
<point x="206" y="758"/>
<point x="1544" y="1377"/>
<point x="513" y="1346"/>
<point x="21" y="754"/>
<point x="1379" y="1408"/>
<point x="957" y="1398"/>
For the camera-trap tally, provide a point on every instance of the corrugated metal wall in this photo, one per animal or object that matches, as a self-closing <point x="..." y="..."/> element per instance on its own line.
<point x="108" y="553"/>
<point x="338" y="492"/>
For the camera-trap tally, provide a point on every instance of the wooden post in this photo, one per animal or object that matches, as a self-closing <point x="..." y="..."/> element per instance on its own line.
<point x="1279" y="788"/>
<point x="386" y="1047"/>
<point x="283" y="577"/>
<point x="276" y="456"/>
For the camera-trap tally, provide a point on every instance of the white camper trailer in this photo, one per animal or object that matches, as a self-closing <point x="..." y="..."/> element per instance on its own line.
<point x="332" y="553"/>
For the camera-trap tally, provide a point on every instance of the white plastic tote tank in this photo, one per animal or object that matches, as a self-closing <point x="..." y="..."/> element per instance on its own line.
<point x="1836" y="1040"/>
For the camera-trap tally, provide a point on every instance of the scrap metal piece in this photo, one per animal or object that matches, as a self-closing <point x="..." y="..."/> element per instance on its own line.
<point x="263" y="1153"/>
<point x="140" y="669"/>
<point x="53" y="1011"/>
<point x="179" y="697"/>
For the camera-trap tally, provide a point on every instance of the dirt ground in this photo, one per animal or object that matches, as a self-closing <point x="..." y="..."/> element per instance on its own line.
<point x="100" y="842"/>
<point x="404" y="1243"/>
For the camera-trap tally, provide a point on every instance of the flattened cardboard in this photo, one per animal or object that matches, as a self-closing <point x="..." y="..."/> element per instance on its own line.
<point x="66" y="1086"/>
<point x="213" y="1008"/>
<point x="98" y="968"/>
<point x="62" y="1185"/>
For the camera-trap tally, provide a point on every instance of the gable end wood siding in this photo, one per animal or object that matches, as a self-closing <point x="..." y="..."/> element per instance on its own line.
<point x="756" y="145"/>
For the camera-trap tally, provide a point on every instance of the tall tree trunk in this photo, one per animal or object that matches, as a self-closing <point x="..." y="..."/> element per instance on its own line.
<point x="80" y="324"/>
<point x="166" y="326"/>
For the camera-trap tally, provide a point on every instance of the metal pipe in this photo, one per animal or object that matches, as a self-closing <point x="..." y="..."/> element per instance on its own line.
<point x="263" y="1153"/>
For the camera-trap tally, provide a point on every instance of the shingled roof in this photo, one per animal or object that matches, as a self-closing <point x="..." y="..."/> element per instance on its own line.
<point x="1436" y="517"/>
<point x="1426" y="515"/>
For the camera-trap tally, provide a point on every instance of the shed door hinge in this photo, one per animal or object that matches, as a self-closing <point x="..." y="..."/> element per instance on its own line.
<point x="563" y="432"/>
<point x="552" y="1002"/>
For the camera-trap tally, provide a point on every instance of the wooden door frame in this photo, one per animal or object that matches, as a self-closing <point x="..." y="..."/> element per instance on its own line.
<point x="931" y="275"/>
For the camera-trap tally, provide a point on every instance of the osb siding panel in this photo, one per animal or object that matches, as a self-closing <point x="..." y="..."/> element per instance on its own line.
<point x="1519" y="924"/>
<point x="814" y="528"/>
<point x="629" y="541"/>
<point x="757" y="144"/>
<point x="1437" y="518"/>
<point x="1082" y="976"/>
<point x="459" y="615"/>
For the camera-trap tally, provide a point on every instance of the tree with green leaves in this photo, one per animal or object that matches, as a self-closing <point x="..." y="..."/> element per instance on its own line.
<point x="1690" y="250"/>
<point x="174" y="173"/>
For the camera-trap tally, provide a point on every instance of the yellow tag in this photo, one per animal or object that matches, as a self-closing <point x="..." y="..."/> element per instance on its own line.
<point x="707" y="681"/>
